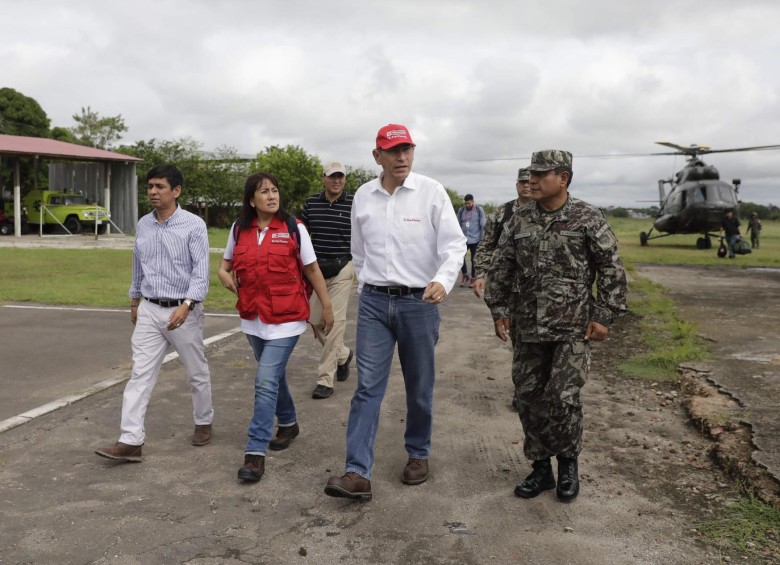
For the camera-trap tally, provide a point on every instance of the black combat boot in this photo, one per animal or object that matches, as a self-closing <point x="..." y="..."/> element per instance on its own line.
<point x="568" y="479"/>
<point x="539" y="480"/>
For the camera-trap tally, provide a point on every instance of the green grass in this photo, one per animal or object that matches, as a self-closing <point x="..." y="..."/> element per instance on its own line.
<point x="668" y="339"/>
<point x="84" y="277"/>
<point x="749" y="526"/>
<point x="681" y="249"/>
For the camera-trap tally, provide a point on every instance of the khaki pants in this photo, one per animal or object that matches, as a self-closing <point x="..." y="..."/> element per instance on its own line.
<point x="334" y="352"/>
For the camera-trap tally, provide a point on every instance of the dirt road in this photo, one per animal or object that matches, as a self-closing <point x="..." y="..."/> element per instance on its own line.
<point x="647" y="479"/>
<point x="736" y="311"/>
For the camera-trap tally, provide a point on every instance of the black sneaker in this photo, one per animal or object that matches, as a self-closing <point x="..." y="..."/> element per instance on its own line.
<point x="342" y="371"/>
<point x="322" y="391"/>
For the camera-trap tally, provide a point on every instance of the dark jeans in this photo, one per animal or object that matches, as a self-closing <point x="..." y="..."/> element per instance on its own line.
<point x="472" y="247"/>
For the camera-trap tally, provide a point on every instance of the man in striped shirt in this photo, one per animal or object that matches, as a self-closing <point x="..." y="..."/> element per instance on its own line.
<point x="171" y="271"/>
<point x="326" y="216"/>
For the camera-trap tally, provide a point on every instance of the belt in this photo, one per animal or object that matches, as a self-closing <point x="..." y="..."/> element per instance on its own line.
<point x="166" y="302"/>
<point x="395" y="290"/>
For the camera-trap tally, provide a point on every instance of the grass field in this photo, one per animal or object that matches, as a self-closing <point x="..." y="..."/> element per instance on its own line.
<point x="90" y="277"/>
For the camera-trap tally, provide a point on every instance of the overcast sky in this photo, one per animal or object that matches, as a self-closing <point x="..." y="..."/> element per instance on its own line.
<point x="472" y="80"/>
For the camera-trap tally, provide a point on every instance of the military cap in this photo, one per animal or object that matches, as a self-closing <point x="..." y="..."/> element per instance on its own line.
<point x="523" y="174"/>
<point x="550" y="159"/>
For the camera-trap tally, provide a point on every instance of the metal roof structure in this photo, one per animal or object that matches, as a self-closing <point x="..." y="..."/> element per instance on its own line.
<point x="118" y="172"/>
<point x="17" y="145"/>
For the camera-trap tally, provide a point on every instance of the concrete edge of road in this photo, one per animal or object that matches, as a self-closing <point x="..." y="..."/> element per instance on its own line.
<point x="24" y="417"/>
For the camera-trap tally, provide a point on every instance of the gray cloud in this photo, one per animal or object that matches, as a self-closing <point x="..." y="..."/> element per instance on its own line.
<point x="473" y="80"/>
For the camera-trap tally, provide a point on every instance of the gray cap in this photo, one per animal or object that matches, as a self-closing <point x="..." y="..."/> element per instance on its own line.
<point x="523" y="174"/>
<point x="550" y="159"/>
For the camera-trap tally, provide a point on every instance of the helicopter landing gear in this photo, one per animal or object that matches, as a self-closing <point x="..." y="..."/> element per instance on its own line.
<point x="704" y="243"/>
<point x="643" y="239"/>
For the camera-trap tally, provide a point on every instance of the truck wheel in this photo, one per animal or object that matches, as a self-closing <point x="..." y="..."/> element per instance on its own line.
<point x="102" y="229"/>
<point x="72" y="224"/>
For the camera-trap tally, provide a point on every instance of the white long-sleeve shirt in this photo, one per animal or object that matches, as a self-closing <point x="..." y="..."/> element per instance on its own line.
<point x="409" y="238"/>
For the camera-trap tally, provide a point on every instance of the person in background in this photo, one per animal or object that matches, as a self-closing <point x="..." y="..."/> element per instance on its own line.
<point x="171" y="273"/>
<point x="495" y="225"/>
<point x="266" y="253"/>
<point x="730" y="225"/>
<point x="754" y="229"/>
<point x="407" y="247"/>
<point x="326" y="216"/>
<point x="550" y="257"/>
<point x="487" y="245"/>
<point x="472" y="222"/>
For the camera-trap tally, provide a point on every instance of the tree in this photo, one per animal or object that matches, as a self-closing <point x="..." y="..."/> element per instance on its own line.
<point x="299" y="174"/>
<point x="455" y="198"/>
<point x="357" y="177"/>
<point x="22" y="115"/>
<point x="92" y="130"/>
<point x="62" y="134"/>
<point x="183" y="153"/>
<point x="212" y="181"/>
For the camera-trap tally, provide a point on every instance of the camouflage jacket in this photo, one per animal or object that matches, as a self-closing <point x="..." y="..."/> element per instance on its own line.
<point x="488" y="243"/>
<point x="552" y="260"/>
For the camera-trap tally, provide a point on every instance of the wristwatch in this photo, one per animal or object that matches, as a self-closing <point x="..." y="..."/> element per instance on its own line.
<point x="190" y="304"/>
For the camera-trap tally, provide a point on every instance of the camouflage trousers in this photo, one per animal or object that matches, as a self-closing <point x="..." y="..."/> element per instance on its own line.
<point x="548" y="377"/>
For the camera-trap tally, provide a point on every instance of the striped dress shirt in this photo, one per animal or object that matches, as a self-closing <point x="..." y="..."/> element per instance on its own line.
<point x="329" y="224"/>
<point x="171" y="259"/>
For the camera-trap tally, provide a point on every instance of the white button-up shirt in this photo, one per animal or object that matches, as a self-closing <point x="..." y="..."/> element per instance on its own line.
<point x="409" y="238"/>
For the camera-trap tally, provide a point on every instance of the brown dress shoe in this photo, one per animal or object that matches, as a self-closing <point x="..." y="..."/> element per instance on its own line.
<point x="284" y="435"/>
<point x="253" y="469"/>
<point x="122" y="452"/>
<point x="202" y="435"/>
<point x="415" y="472"/>
<point x="351" y="485"/>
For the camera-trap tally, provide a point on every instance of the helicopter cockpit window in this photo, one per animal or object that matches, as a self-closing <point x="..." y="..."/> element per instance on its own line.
<point x="700" y="195"/>
<point x="723" y="194"/>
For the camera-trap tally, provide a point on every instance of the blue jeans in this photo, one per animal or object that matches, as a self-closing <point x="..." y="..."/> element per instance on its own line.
<point x="732" y="240"/>
<point x="382" y="322"/>
<point x="272" y="395"/>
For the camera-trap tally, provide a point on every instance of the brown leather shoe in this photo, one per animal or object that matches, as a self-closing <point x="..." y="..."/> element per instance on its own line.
<point x="284" y="435"/>
<point x="350" y="485"/>
<point x="122" y="452"/>
<point x="202" y="435"/>
<point x="253" y="469"/>
<point x="415" y="472"/>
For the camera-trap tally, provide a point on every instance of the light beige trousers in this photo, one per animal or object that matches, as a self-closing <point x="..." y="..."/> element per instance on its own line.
<point x="334" y="352"/>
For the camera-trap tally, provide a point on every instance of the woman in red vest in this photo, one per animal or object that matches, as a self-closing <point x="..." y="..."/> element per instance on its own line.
<point x="268" y="254"/>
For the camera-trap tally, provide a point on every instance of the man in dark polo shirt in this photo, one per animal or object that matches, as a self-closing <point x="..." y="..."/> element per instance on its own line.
<point x="327" y="217"/>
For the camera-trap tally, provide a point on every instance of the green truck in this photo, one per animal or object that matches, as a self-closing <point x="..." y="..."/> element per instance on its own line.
<point x="67" y="208"/>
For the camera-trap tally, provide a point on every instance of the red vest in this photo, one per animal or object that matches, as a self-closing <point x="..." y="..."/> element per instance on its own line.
<point x="270" y="283"/>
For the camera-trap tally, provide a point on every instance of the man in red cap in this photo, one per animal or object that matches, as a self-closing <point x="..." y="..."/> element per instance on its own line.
<point x="407" y="247"/>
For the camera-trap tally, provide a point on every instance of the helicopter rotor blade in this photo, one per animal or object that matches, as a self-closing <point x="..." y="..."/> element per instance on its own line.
<point x="691" y="151"/>
<point x="734" y="150"/>
<point x="685" y="150"/>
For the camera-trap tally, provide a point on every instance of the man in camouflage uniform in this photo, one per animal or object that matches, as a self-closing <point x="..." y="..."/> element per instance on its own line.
<point x="493" y="227"/>
<point x="550" y="255"/>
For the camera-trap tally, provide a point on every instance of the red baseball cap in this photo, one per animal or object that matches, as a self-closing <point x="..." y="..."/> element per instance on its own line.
<point x="392" y="135"/>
